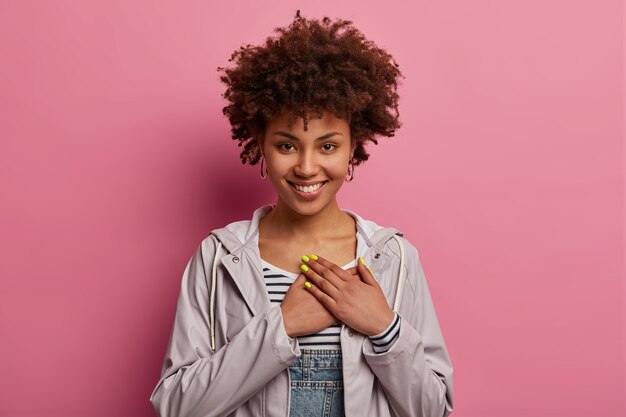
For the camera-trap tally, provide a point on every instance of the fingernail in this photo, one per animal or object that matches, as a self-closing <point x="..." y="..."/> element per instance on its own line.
<point x="304" y="268"/>
<point x="307" y="284"/>
<point x="314" y="257"/>
<point x="305" y="258"/>
<point x="362" y="260"/>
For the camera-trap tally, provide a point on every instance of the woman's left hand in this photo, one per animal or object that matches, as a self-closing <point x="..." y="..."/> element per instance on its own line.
<point x="355" y="299"/>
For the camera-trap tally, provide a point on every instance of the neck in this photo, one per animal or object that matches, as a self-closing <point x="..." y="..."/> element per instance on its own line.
<point x="286" y="222"/>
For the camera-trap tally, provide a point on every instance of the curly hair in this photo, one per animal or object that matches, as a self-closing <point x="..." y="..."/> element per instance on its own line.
<point x="312" y="66"/>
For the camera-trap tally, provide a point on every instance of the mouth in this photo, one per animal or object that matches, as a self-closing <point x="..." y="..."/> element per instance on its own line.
<point x="308" y="192"/>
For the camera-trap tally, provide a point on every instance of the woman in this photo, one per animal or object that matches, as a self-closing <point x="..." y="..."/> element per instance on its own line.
<point x="276" y="316"/>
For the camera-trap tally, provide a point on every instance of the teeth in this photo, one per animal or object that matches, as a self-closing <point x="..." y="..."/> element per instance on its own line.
<point x="309" y="188"/>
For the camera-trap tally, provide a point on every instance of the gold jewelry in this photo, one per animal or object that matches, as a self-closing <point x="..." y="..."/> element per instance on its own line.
<point x="262" y="164"/>
<point x="351" y="171"/>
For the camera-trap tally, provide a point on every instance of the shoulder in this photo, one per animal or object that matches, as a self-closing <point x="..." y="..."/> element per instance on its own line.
<point x="398" y="245"/>
<point x="207" y="248"/>
<point x="238" y="233"/>
<point x="384" y="236"/>
<point x="231" y="237"/>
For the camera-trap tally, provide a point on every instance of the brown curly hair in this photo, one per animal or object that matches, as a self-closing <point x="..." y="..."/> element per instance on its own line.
<point x="312" y="66"/>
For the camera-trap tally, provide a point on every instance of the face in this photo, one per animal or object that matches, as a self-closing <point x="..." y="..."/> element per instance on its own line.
<point x="316" y="159"/>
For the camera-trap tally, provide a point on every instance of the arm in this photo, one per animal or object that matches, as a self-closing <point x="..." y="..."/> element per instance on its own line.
<point x="195" y="381"/>
<point x="416" y="372"/>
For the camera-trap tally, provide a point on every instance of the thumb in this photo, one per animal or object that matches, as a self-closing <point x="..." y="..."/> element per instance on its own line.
<point x="366" y="274"/>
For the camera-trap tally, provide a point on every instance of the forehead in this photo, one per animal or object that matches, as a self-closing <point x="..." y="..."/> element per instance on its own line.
<point x="327" y="122"/>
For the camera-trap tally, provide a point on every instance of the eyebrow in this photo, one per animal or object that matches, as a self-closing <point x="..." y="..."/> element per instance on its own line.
<point x="290" y="136"/>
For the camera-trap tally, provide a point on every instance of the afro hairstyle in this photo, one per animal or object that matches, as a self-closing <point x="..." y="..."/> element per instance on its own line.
<point x="310" y="67"/>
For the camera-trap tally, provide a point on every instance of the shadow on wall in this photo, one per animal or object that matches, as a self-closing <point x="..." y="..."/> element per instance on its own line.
<point x="234" y="190"/>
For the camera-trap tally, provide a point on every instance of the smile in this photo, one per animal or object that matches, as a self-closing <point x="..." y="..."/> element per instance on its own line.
<point x="309" y="190"/>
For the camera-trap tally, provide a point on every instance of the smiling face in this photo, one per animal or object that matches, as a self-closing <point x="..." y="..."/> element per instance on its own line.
<point x="307" y="168"/>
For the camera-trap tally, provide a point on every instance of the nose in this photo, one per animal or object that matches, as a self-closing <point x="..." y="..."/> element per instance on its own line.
<point x="307" y="165"/>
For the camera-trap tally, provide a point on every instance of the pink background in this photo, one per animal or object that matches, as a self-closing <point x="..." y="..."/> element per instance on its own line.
<point x="508" y="176"/>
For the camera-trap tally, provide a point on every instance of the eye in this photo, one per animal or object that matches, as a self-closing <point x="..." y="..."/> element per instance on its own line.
<point x="332" y="145"/>
<point x="282" y="146"/>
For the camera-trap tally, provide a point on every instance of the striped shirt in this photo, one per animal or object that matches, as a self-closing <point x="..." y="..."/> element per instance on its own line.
<point x="278" y="281"/>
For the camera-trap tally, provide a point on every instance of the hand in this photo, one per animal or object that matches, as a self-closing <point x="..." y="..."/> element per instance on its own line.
<point x="355" y="299"/>
<point x="302" y="313"/>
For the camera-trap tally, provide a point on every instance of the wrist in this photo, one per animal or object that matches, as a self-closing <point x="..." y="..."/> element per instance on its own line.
<point x="383" y="342"/>
<point x="386" y="320"/>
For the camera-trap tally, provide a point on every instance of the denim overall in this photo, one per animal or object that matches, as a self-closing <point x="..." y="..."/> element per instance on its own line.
<point x="317" y="384"/>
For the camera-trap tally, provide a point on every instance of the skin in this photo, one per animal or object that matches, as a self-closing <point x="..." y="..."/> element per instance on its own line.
<point x="352" y="296"/>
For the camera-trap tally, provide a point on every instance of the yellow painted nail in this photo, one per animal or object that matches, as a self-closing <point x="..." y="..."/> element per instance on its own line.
<point x="362" y="260"/>
<point x="314" y="257"/>
<point x="305" y="258"/>
<point x="304" y="268"/>
<point x="307" y="284"/>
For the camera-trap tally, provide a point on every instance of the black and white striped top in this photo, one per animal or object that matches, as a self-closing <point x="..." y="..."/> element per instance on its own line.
<point x="278" y="281"/>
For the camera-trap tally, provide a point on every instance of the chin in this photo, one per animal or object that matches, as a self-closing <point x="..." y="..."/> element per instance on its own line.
<point x="305" y="208"/>
<point x="308" y="209"/>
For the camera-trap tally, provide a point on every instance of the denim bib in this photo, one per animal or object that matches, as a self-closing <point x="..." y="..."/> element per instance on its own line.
<point x="317" y="384"/>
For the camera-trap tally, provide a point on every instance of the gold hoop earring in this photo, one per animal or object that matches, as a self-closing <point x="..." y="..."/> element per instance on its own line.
<point x="351" y="172"/>
<point x="262" y="164"/>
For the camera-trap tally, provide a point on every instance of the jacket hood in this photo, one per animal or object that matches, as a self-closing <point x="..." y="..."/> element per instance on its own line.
<point x="237" y="235"/>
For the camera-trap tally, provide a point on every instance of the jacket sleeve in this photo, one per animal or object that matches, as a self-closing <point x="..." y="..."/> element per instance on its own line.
<point x="416" y="372"/>
<point x="195" y="381"/>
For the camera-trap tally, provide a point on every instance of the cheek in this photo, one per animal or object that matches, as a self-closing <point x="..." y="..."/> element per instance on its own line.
<point x="338" y="168"/>
<point x="276" y="172"/>
<point x="275" y="166"/>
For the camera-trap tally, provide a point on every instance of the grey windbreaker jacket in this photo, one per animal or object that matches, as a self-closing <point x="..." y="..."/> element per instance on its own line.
<point x="229" y="353"/>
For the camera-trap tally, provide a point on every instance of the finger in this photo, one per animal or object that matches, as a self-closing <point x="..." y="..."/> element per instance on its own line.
<point x="354" y="270"/>
<point x="366" y="273"/>
<point x="321" y="281"/>
<point x="326" y="300"/>
<point x="330" y="274"/>
<point x="300" y="279"/>
<point x="335" y="269"/>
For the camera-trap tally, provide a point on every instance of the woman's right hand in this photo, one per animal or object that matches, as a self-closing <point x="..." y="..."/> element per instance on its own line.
<point x="302" y="313"/>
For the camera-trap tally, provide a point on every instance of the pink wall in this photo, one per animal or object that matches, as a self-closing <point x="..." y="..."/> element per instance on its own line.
<point x="508" y="175"/>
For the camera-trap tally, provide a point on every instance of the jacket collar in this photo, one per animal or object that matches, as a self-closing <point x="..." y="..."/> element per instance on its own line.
<point x="240" y="241"/>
